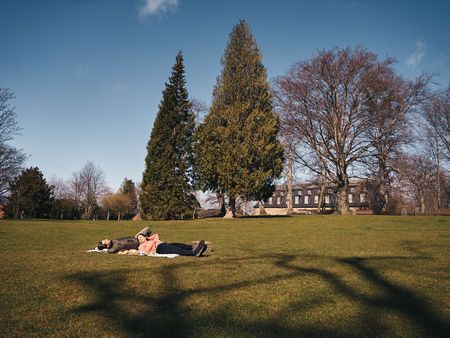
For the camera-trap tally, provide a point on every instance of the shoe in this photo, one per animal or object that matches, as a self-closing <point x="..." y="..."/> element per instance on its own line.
<point x="203" y="250"/>
<point x="195" y="245"/>
<point x="199" y="248"/>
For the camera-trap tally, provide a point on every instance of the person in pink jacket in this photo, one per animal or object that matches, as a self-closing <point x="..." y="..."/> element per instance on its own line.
<point x="152" y="243"/>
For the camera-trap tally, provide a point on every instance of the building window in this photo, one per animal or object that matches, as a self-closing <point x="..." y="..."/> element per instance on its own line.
<point x="306" y="199"/>
<point x="327" y="199"/>
<point x="278" y="200"/>
<point x="281" y="193"/>
<point x="296" y="199"/>
<point x="362" y="198"/>
<point x="270" y="200"/>
<point x="352" y="189"/>
<point x="350" y="198"/>
<point x="316" y="199"/>
<point x="330" y="191"/>
<point x="309" y="192"/>
<point x="299" y="193"/>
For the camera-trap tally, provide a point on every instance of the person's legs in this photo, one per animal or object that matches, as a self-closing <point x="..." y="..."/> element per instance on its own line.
<point x="168" y="248"/>
<point x="182" y="245"/>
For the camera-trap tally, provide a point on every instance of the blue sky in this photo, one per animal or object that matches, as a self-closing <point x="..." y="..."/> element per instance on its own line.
<point x="88" y="74"/>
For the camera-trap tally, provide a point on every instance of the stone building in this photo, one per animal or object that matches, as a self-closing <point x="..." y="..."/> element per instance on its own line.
<point x="312" y="198"/>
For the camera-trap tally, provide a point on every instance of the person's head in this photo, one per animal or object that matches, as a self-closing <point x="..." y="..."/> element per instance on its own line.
<point x="141" y="238"/>
<point x="103" y="244"/>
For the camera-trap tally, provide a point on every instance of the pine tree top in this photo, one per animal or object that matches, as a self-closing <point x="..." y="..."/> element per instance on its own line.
<point x="243" y="80"/>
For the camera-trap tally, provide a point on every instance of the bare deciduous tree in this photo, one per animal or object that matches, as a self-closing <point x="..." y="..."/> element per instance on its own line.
<point x="87" y="186"/>
<point x="418" y="175"/>
<point x="11" y="158"/>
<point x="200" y="109"/>
<point x="337" y="108"/>
<point x="323" y="101"/>
<point x="8" y="122"/>
<point x="60" y="188"/>
<point x="437" y="114"/>
<point x="391" y="102"/>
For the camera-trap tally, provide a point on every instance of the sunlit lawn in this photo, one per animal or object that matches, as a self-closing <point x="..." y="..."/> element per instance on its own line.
<point x="299" y="276"/>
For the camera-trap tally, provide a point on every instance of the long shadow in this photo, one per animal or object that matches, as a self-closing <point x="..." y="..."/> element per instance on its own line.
<point x="401" y="300"/>
<point x="395" y="297"/>
<point x="167" y="314"/>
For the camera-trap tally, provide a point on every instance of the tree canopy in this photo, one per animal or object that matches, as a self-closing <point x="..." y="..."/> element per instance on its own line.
<point x="31" y="196"/>
<point x="237" y="150"/>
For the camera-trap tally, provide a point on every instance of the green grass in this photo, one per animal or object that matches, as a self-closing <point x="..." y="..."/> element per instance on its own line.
<point x="309" y="276"/>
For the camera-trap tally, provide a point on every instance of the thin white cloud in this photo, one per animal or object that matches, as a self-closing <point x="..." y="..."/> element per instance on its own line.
<point x="416" y="57"/>
<point x="156" y="7"/>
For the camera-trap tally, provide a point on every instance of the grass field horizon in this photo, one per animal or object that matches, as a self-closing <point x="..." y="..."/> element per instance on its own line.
<point x="313" y="276"/>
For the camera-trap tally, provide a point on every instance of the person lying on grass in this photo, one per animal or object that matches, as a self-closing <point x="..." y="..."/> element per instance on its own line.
<point x="147" y="243"/>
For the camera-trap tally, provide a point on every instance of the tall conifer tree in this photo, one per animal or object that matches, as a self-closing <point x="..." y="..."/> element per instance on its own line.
<point x="237" y="149"/>
<point x="167" y="179"/>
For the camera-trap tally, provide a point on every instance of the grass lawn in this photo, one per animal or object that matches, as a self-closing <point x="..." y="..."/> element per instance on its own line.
<point x="311" y="276"/>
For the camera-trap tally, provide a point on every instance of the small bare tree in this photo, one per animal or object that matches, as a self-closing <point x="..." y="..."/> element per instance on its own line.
<point x="418" y="174"/>
<point x="87" y="186"/>
<point x="118" y="204"/>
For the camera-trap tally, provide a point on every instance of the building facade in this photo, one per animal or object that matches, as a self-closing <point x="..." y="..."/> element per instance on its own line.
<point x="310" y="198"/>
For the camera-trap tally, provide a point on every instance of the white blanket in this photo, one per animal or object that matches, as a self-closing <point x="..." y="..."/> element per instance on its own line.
<point x="154" y="254"/>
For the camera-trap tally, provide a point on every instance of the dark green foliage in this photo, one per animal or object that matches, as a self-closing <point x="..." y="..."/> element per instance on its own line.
<point x="64" y="208"/>
<point x="237" y="149"/>
<point x="31" y="196"/>
<point x="167" y="179"/>
<point x="128" y="188"/>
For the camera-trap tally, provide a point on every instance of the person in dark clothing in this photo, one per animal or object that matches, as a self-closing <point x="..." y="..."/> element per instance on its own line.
<point x="124" y="243"/>
<point x="119" y="244"/>
<point x="153" y="244"/>
<point x="182" y="249"/>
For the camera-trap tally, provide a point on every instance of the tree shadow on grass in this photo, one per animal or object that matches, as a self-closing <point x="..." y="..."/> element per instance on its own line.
<point x="394" y="298"/>
<point x="167" y="314"/>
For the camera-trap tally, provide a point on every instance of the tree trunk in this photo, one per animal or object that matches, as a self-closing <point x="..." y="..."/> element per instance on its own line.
<point x="290" y="175"/>
<point x="383" y="189"/>
<point x="262" y="210"/>
<point x="438" y="162"/>
<point x="107" y="216"/>
<point x="321" y="203"/>
<point x="221" y="200"/>
<point x="231" y="212"/>
<point x="341" y="196"/>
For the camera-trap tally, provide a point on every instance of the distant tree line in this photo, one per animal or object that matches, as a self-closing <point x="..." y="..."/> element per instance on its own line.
<point x="84" y="196"/>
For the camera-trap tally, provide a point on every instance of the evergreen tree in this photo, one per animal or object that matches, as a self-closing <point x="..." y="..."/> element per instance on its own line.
<point x="168" y="176"/>
<point x="31" y="196"/>
<point x="237" y="150"/>
<point x="129" y="189"/>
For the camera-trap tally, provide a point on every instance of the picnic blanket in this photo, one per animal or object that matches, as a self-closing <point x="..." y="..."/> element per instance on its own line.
<point x="153" y="254"/>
